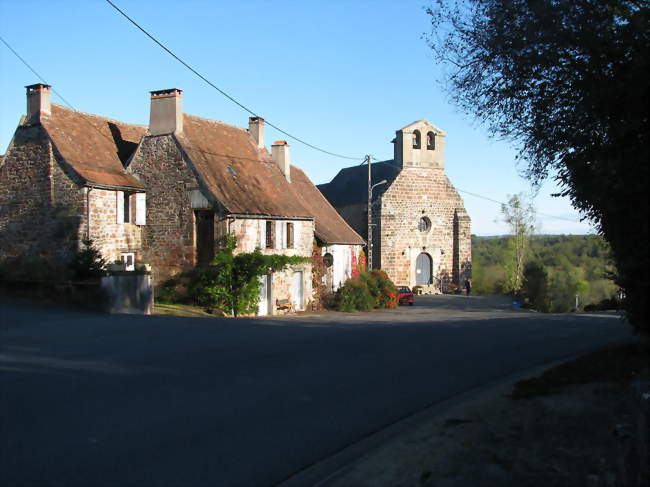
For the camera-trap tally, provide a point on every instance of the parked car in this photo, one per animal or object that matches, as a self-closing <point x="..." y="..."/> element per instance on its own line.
<point x="405" y="295"/>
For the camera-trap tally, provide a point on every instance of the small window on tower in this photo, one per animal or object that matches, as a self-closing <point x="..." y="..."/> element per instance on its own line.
<point x="431" y="141"/>
<point x="416" y="139"/>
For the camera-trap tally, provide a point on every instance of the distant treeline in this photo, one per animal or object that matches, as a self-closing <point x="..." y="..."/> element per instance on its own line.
<point x="558" y="267"/>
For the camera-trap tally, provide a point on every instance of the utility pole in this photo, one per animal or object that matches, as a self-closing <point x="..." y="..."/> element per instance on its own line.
<point x="369" y="162"/>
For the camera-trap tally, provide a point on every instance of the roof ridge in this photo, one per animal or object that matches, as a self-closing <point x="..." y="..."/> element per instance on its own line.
<point x="103" y="117"/>
<point x="218" y="122"/>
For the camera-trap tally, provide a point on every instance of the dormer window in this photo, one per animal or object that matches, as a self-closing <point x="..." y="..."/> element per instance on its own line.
<point x="431" y="141"/>
<point x="416" y="139"/>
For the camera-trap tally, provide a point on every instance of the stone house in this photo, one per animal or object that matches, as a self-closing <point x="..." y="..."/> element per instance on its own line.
<point x="207" y="179"/>
<point x="421" y="232"/>
<point x="166" y="195"/>
<point x="62" y="180"/>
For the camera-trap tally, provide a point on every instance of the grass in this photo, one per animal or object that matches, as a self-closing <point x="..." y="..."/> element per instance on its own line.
<point x="619" y="363"/>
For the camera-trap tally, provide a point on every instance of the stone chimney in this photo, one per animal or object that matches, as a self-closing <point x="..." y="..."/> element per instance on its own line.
<point x="280" y="155"/>
<point x="166" y="116"/>
<point x="256" y="129"/>
<point x="38" y="102"/>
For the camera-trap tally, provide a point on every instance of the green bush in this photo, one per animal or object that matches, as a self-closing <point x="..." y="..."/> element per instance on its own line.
<point x="87" y="262"/>
<point x="355" y="296"/>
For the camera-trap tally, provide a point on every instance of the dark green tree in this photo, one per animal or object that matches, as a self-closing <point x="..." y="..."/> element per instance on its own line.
<point x="567" y="82"/>
<point x="535" y="286"/>
<point x="87" y="262"/>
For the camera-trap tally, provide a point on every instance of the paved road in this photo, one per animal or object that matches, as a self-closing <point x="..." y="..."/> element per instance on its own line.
<point x="88" y="399"/>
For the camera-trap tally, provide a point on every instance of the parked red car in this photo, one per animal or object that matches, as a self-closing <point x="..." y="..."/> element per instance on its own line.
<point x="406" y="295"/>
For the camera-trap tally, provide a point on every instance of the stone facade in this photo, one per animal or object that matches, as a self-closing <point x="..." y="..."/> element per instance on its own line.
<point x="417" y="194"/>
<point x="168" y="241"/>
<point x="44" y="210"/>
<point x="169" y="194"/>
<point x="421" y="232"/>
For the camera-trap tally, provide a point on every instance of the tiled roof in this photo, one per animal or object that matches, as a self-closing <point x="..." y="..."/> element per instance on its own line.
<point x="350" y="185"/>
<point x="95" y="147"/>
<point x="245" y="180"/>
<point x="331" y="228"/>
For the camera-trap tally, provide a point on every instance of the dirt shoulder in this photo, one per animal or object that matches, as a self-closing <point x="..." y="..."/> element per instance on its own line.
<point x="558" y="429"/>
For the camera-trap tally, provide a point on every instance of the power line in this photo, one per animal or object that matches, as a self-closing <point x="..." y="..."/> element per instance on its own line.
<point x="507" y="204"/>
<point x="232" y="99"/>
<point x="230" y="155"/>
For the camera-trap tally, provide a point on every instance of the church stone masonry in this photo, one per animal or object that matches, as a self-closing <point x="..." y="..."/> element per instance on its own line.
<point x="422" y="231"/>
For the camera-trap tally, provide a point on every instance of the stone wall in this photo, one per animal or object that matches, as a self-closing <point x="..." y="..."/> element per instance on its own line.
<point x="418" y="193"/>
<point x="168" y="238"/>
<point x="249" y="237"/>
<point x="40" y="207"/>
<point x="110" y="237"/>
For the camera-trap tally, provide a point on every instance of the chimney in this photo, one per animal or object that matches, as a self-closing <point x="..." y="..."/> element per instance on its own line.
<point x="38" y="102"/>
<point x="166" y="116"/>
<point x="280" y="155"/>
<point x="256" y="129"/>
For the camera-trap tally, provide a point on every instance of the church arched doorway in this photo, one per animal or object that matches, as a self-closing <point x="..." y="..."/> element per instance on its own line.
<point x="423" y="265"/>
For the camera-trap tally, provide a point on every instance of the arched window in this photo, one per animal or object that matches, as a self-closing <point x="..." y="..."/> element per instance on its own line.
<point x="431" y="141"/>
<point x="424" y="225"/>
<point x="416" y="139"/>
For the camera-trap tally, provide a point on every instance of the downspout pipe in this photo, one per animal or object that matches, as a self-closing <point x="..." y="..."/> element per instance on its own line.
<point x="88" y="190"/>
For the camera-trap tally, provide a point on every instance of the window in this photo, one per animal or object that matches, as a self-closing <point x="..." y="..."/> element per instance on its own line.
<point x="129" y="260"/>
<point x="431" y="141"/>
<point x="270" y="234"/>
<point x="424" y="225"/>
<point x="416" y="139"/>
<point x="290" y="233"/>
<point x="131" y="207"/>
<point x="127" y="207"/>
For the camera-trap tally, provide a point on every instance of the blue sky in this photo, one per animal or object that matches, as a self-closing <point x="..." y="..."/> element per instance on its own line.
<point x="341" y="74"/>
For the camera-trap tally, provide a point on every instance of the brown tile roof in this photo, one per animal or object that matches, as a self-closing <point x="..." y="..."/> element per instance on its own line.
<point x="95" y="147"/>
<point x="331" y="228"/>
<point x="245" y="179"/>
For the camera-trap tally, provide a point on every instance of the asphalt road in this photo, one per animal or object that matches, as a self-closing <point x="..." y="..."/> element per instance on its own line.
<point x="89" y="399"/>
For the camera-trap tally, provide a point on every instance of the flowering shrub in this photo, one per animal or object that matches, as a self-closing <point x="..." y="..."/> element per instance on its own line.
<point x="371" y="290"/>
<point x="355" y="296"/>
<point x="388" y="296"/>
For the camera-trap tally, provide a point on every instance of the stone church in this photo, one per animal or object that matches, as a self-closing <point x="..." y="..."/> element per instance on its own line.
<point x="421" y="232"/>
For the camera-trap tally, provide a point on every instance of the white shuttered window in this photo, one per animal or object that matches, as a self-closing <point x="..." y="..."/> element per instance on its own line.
<point x="119" y="207"/>
<point x="141" y="208"/>
<point x="262" y="239"/>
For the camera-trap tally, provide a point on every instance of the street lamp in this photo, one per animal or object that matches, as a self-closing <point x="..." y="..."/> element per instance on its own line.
<point x="370" y="188"/>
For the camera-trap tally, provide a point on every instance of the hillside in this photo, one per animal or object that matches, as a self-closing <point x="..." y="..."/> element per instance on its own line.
<point x="574" y="264"/>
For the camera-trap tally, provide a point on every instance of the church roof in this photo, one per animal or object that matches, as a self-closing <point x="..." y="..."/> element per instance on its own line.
<point x="350" y="185"/>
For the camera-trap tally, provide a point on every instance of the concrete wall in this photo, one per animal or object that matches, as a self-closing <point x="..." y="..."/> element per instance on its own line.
<point x="128" y="293"/>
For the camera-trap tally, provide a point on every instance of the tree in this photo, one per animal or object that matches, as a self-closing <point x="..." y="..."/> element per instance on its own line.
<point x="567" y="83"/>
<point x="535" y="286"/>
<point x="520" y="217"/>
<point x="87" y="262"/>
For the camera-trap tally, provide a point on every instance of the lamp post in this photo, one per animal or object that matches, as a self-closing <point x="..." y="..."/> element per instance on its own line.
<point x="370" y="188"/>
